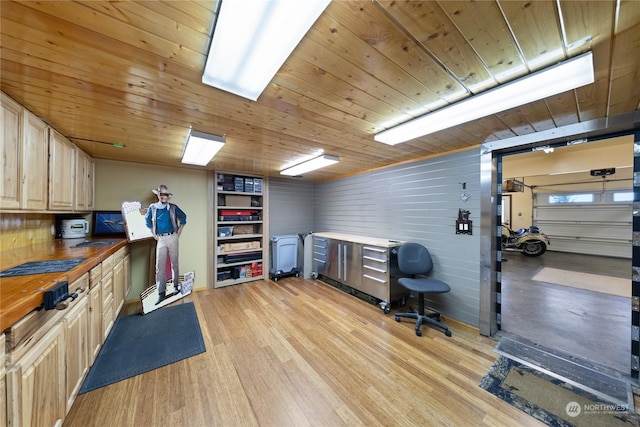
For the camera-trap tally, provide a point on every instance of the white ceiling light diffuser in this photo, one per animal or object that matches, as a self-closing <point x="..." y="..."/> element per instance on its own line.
<point x="201" y="147"/>
<point x="252" y="39"/>
<point x="310" y="165"/>
<point x="559" y="78"/>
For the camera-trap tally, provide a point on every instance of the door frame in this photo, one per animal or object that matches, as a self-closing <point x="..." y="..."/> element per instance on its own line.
<point x="491" y="154"/>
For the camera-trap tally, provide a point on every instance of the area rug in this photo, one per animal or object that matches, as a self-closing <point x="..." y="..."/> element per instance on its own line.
<point x="550" y="400"/>
<point x="586" y="281"/>
<point x="140" y="343"/>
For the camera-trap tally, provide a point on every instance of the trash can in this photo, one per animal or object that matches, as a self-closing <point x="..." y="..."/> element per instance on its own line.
<point x="284" y="256"/>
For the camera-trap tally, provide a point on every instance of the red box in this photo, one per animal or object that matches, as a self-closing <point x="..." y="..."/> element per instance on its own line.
<point x="237" y="213"/>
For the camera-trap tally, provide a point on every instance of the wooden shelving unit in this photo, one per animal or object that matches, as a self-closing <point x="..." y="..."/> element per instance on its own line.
<point x="240" y="237"/>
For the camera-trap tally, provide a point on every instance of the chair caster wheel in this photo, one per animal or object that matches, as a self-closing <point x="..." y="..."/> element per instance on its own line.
<point x="397" y="318"/>
<point x="418" y="332"/>
<point x="447" y="333"/>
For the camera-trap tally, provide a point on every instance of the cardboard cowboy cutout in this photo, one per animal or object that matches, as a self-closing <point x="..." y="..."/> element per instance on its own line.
<point x="164" y="222"/>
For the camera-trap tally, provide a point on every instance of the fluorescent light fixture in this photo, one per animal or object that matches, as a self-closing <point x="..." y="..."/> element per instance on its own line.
<point x="201" y="147"/>
<point x="310" y="165"/>
<point x="252" y="39"/>
<point x="556" y="79"/>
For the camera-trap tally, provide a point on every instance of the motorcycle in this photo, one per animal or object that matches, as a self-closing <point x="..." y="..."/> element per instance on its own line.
<point x="528" y="241"/>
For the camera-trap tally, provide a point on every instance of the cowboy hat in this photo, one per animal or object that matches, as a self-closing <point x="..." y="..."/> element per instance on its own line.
<point x="162" y="189"/>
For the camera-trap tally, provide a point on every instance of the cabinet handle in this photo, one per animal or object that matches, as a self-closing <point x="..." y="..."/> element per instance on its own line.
<point x="374" y="278"/>
<point x="344" y="256"/>
<point x="339" y="260"/>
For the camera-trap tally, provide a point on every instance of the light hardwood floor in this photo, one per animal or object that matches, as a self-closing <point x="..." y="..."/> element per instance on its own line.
<point x="302" y="353"/>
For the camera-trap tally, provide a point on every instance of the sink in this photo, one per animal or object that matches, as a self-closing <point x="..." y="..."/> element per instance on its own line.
<point x="42" y="267"/>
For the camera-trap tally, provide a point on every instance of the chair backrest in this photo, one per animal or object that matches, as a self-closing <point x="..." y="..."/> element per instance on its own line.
<point x="413" y="258"/>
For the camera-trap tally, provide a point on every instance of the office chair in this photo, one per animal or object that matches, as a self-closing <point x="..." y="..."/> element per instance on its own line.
<point x="413" y="260"/>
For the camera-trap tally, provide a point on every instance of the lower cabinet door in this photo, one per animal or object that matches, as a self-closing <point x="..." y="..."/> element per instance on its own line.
<point x="96" y="336"/>
<point x="77" y="348"/>
<point x="36" y="383"/>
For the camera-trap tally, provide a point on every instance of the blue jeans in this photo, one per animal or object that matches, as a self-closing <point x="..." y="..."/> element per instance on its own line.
<point x="167" y="246"/>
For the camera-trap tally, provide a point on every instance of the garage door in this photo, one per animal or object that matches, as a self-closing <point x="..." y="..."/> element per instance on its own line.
<point x="597" y="223"/>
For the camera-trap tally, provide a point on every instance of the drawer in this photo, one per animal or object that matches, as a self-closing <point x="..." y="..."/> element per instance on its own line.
<point x="376" y="287"/>
<point x="375" y="255"/>
<point x="320" y="249"/>
<point x="95" y="275"/>
<point x="107" y="264"/>
<point x="82" y="282"/>
<point x="120" y="253"/>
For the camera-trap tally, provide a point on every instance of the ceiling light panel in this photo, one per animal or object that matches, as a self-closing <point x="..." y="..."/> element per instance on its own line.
<point x="310" y="165"/>
<point x="252" y="39"/>
<point x="559" y="78"/>
<point x="201" y="147"/>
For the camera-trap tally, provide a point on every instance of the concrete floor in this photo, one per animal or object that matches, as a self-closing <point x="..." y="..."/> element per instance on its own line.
<point x="590" y="325"/>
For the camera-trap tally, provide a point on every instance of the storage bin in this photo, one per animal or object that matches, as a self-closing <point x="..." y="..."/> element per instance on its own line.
<point x="225" y="231"/>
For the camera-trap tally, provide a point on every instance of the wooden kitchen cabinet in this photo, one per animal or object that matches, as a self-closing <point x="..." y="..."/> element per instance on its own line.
<point x="76" y="328"/>
<point x="25" y="154"/>
<point x="127" y="273"/>
<point x="35" y="160"/>
<point x="84" y="181"/>
<point x="95" y="313"/>
<point x="118" y="285"/>
<point x="11" y="144"/>
<point x="108" y="317"/>
<point x="121" y="280"/>
<point x="36" y="383"/>
<point x="49" y="352"/>
<point x="62" y="172"/>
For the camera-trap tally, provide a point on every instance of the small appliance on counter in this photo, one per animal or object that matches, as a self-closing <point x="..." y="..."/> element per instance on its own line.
<point x="74" y="228"/>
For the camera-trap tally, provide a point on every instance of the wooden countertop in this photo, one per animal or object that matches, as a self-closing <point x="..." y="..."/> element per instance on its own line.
<point x="373" y="241"/>
<point x="19" y="295"/>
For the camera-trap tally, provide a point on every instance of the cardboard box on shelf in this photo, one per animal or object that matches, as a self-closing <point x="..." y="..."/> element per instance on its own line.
<point x="243" y="229"/>
<point x="237" y="200"/>
<point x="227" y="247"/>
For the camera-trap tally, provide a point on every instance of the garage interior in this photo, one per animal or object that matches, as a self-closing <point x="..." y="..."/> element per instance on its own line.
<point x="581" y="197"/>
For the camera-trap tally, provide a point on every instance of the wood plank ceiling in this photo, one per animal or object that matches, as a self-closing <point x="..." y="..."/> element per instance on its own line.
<point x="109" y="72"/>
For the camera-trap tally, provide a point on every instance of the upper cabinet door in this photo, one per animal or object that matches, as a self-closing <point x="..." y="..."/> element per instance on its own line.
<point x="91" y="182"/>
<point x="84" y="181"/>
<point x="62" y="172"/>
<point x="10" y="143"/>
<point x="35" y="158"/>
<point x="25" y="158"/>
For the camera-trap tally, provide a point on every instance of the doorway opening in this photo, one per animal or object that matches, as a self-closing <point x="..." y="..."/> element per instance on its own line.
<point x="590" y="235"/>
